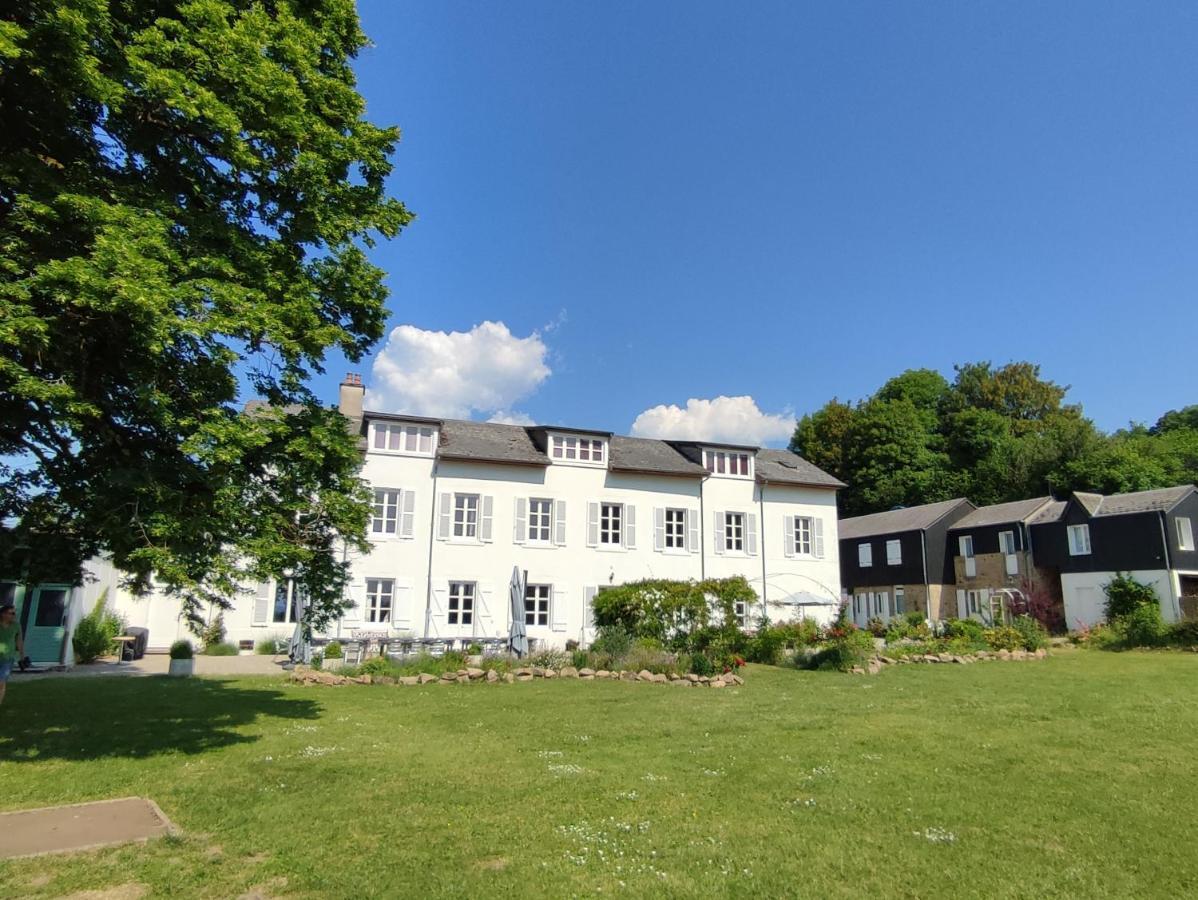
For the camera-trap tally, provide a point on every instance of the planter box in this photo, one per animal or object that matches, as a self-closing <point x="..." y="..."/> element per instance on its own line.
<point x="181" y="668"/>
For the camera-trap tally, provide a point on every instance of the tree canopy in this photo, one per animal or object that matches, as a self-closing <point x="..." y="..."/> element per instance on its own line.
<point x="993" y="435"/>
<point x="187" y="190"/>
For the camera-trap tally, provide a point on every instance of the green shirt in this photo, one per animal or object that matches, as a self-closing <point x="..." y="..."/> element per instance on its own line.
<point x="8" y="642"/>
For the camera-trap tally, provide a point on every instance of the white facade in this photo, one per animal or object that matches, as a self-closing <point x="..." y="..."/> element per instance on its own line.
<point x="1085" y="601"/>
<point x="448" y="532"/>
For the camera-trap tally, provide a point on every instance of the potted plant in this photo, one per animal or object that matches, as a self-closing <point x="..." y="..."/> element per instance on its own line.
<point x="182" y="659"/>
<point x="474" y="655"/>
<point x="332" y="656"/>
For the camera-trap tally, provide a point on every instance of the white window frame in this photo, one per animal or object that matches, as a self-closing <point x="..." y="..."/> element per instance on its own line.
<point x="402" y="439"/>
<point x="385" y="511"/>
<point x="540" y="520"/>
<point x="676" y="525"/>
<point x="804" y="536"/>
<point x="583" y="451"/>
<point x="463" y="527"/>
<point x="1185" y="533"/>
<point x="740" y="609"/>
<point x="611" y="524"/>
<point x="541" y="612"/>
<point x="894" y="553"/>
<point x="1006" y="539"/>
<point x="291" y="591"/>
<point x="900" y="600"/>
<point x="728" y="463"/>
<point x="965" y="547"/>
<point x="865" y="555"/>
<point x="734" y="532"/>
<point x="460" y="608"/>
<point x="1079" y="540"/>
<point x="380" y="600"/>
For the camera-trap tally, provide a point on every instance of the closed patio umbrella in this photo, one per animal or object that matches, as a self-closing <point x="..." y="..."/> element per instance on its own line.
<point x="300" y="650"/>
<point x="517" y="637"/>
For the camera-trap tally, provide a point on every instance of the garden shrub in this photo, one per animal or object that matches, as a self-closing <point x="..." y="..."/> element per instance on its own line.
<point x="699" y="664"/>
<point x="674" y="613"/>
<point x="580" y="659"/>
<point x="613" y="641"/>
<point x="268" y="646"/>
<point x="1003" y="637"/>
<point x="876" y="627"/>
<point x="222" y="649"/>
<point x="915" y="618"/>
<point x="766" y="646"/>
<point x="1124" y="595"/>
<point x="551" y="658"/>
<point x="213" y="634"/>
<point x="847" y="646"/>
<point x="333" y="650"/>
<point x="656" y="661"/>
<point x="970" y="629"/>
<point x="95" y="632"/>
<point x="181" y="650"/>
<point x="1143" y="626"/>
<point x="1033" y="632"/>
<point x="1184" y="634"/>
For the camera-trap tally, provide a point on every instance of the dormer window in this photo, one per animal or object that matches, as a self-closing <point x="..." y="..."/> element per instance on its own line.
<point x="568" y="448"/>
<point x="728" y="462"/>
<point x="411" y="440"/>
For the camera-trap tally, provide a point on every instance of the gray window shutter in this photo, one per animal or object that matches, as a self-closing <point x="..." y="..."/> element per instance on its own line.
<point x="520" y="529"/>
<point x="817" y="526"/>
<point x="592" y="524"/>
<point x="262" y="603"/>
<point x="559" y="523"/>
<point x="718" y="531"/>
<point x="557" y="609"/>
<point x="751" y="534"/>
<point x="589" y="618"/>
<point x="484" y="529"/>
<point x="407" y="525"/>
<point x="659" y="529"/>
<point x="692" y="529"/>
<point x="445" y="518"/>
<point x="355" y="593"/>
<point x="962" y="613"/>
<point x="401" y="605"/>
<point x="788" y="535"/>
<point x="629" y="526"/>
<point x="484" y="624"/>
<point x="440" y="606"/>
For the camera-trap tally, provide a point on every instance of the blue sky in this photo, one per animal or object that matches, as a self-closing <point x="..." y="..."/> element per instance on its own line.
<point x="671" y="201"/>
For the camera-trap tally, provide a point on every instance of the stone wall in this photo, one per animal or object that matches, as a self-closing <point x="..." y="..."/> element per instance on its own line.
<point x="991" y="572"/>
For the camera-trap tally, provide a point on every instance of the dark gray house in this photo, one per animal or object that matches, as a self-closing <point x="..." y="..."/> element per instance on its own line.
<point x="1089" y="538"/>
<point x="897" y="561"/>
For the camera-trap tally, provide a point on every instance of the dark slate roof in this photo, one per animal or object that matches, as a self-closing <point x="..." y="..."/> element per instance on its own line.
<point x="489" y="442"/>
<point x="784" y="467"/>
<point x="1142" y="501"/>
<point x="629" y="454"/>
<point x="1002" y="513"/>
<point x="1050" y="513"/>
<point x="909" y="518"/>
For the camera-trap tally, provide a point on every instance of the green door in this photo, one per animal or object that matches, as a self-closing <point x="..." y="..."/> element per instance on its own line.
<point x="44" y="620"/>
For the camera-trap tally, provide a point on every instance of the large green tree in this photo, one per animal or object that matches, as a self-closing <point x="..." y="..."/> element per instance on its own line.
<point x="186" y="192"/>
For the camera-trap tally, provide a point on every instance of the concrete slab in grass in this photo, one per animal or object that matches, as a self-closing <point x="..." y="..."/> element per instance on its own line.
<point x="81" y="826"/>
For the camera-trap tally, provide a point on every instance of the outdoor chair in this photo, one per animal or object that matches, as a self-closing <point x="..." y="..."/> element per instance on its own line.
<point x="352" y="654"/>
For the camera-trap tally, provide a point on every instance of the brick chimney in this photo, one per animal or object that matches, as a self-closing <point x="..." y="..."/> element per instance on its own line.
<point x="350" y="399"/>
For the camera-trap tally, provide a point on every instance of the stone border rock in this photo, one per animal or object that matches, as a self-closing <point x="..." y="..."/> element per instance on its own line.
<point x="877" y="663"/>
<point x="305" y="676"/>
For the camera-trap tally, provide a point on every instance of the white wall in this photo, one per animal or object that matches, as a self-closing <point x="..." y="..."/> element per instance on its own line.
<point x="1085" y="602"/>
<point x="423" y="565"/>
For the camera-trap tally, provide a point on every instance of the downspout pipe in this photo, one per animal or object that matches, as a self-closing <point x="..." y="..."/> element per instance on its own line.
<point x="702" y="531"/>
<point x="1169" y="567"/>
<point x="927" y="585"/>
<point x="432" y="539"/>
<point x="761" y="546"/>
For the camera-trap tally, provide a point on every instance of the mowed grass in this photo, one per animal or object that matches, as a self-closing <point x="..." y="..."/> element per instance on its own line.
<point x="1074" y="777"/>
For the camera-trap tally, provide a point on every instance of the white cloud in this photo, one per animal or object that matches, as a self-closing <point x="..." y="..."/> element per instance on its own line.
<point x="512" y="417"/>
<point x="458" y="373"/>
<point x="732" y="420"/>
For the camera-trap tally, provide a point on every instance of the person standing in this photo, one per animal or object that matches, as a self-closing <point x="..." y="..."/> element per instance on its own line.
<point x="12" y="645"/>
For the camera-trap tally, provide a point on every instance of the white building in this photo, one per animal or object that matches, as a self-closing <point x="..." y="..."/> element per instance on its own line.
<point x="458" y="505"/>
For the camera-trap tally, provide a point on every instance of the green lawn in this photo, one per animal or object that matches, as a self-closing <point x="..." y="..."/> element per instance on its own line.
<point x="1073" y="777"/>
